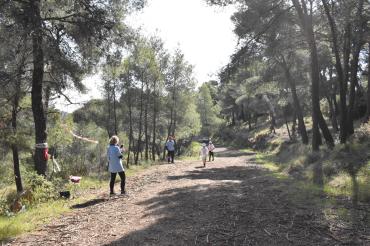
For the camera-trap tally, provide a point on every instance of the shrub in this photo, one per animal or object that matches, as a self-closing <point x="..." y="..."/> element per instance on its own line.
<point x="42" y="190"/>
<point x="362" y="133"/>
<point x="193" y="149"/>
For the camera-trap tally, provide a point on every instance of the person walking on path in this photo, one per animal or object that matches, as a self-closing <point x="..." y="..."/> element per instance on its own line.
<point x="211" y="148"/>
<point x="170" y="147"/>
<point x="204" y="153"/>
<point x="115" y="154"/>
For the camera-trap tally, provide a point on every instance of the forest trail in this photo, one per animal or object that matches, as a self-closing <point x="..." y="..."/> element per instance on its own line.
<point x="233" y="201"/>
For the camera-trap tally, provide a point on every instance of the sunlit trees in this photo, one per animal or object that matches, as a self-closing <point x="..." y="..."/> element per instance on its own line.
<point x="66" y="39"/>
<point x="209" y="112"/>
<point x="286" y="34"/>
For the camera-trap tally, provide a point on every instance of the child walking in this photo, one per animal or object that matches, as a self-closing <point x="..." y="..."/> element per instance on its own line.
<point x="204" y="153"/>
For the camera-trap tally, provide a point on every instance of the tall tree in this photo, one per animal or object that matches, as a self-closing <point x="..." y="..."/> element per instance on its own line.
<point x="76" y="27"/>
<point x="305" y="15"/>
<point x="358" y="34"/>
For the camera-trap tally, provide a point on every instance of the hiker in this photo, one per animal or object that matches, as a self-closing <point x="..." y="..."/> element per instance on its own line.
<point x="211" y="148"/>
<point x="115" y="154"/>
<point x="170" y="147"/>
<point x="204" y="153"/>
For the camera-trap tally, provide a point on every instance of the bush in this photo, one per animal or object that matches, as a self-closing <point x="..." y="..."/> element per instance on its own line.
<point x="362" y="133"/>
<point x="193" y="149"/>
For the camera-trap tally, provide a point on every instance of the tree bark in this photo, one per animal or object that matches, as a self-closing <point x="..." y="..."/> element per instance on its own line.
<point x="294" y="124"/>
<point x="249" y="121"/>
<point x="332" y="114"/>
<point x="130" y="138"/>
<point x="108" y="121"/>
<point x="297" y="106"/>
<point x="317" y="118"/>
<point x="146" y="124"/>
<point x="114" y="108"/>
<point x="357" y="44"/>
<point x="340" y="75"/>
<point x="140" y="125"/>
<point x="17" y="172"/>
<point x="287" y="126"/>
<point x="37" y="82"/>
<point x="368" y="84"/>
<point x="154" y="118"/>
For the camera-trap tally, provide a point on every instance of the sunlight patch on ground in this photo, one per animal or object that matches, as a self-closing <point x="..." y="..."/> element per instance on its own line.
<point x="231" y="181"/>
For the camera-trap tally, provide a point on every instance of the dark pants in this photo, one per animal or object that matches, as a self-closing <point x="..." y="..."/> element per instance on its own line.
<point x="171" y="156"/>
<point x="210" y="153"/>
<point x="113" y="179"/>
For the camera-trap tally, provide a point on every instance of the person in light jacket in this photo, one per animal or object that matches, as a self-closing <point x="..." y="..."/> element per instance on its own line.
<point x="211" y="148"/>
<point x="170" y="147"/>
<point x="115" y="154"/>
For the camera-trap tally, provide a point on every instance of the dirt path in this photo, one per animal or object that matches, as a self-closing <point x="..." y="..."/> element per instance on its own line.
<point x="232" y="201"/>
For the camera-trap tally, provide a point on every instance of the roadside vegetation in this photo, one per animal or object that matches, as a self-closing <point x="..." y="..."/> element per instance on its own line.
<point x="297" y="91"/>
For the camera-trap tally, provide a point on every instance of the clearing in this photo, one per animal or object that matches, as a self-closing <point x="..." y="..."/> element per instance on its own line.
<point x="233" y="201"/>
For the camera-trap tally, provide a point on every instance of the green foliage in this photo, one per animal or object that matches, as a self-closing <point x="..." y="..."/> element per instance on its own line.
<point x="58" y="130"/>
<point x="30" y="219"/>
<point x="208" y="111"/>
<point x="193" y="149"/>
<point x="190" y="124"/>
<point x="42" y="190"/>
<point x="350" y="157"/>
<point x="83" y="157"/>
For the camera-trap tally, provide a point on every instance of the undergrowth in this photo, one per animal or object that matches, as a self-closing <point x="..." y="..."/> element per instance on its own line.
<point x="345" y="169"/>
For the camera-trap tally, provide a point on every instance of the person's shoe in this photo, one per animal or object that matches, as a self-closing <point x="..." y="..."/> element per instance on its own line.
<point x="112" y="194"/>
<point x="125" y="194"/>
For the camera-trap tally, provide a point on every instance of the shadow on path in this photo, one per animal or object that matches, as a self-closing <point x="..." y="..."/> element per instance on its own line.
<point x="238" y="205"/>
<point x="89" y="203"/>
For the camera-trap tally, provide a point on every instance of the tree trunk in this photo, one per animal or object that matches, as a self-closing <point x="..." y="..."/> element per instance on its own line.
<point x="17" y="172"/>
<point x="357" y="44"/>
<point x="297" y="106"/>
<point x="340" y="76"/>
<point x="357" y="39"/>
<point x="287" y="126"/>
<point x="294" y="124"/>
<point x="36" y="92"/>
<point x="108" y="121"/>
<point x="317" y="118"/>
<point x="154" y="118"/>
<point x="147" y="101"/>
<point x="130" y="138"/>
<point x="332" y="114"/>
<point x="138" y="150"/>
<point x="47" y="99"/>
<point x="368" y="84"/>
<point x="249" y="121"/>
<point x="114" y="108"/>
<point x="233" y="118"/>
<point x="174" y="117"/>
<point x="335" y="105"/>
<point x="346" y="56"/>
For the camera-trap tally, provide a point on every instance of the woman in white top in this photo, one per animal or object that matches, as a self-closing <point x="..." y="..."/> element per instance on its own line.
<point x="114" y="154"/>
